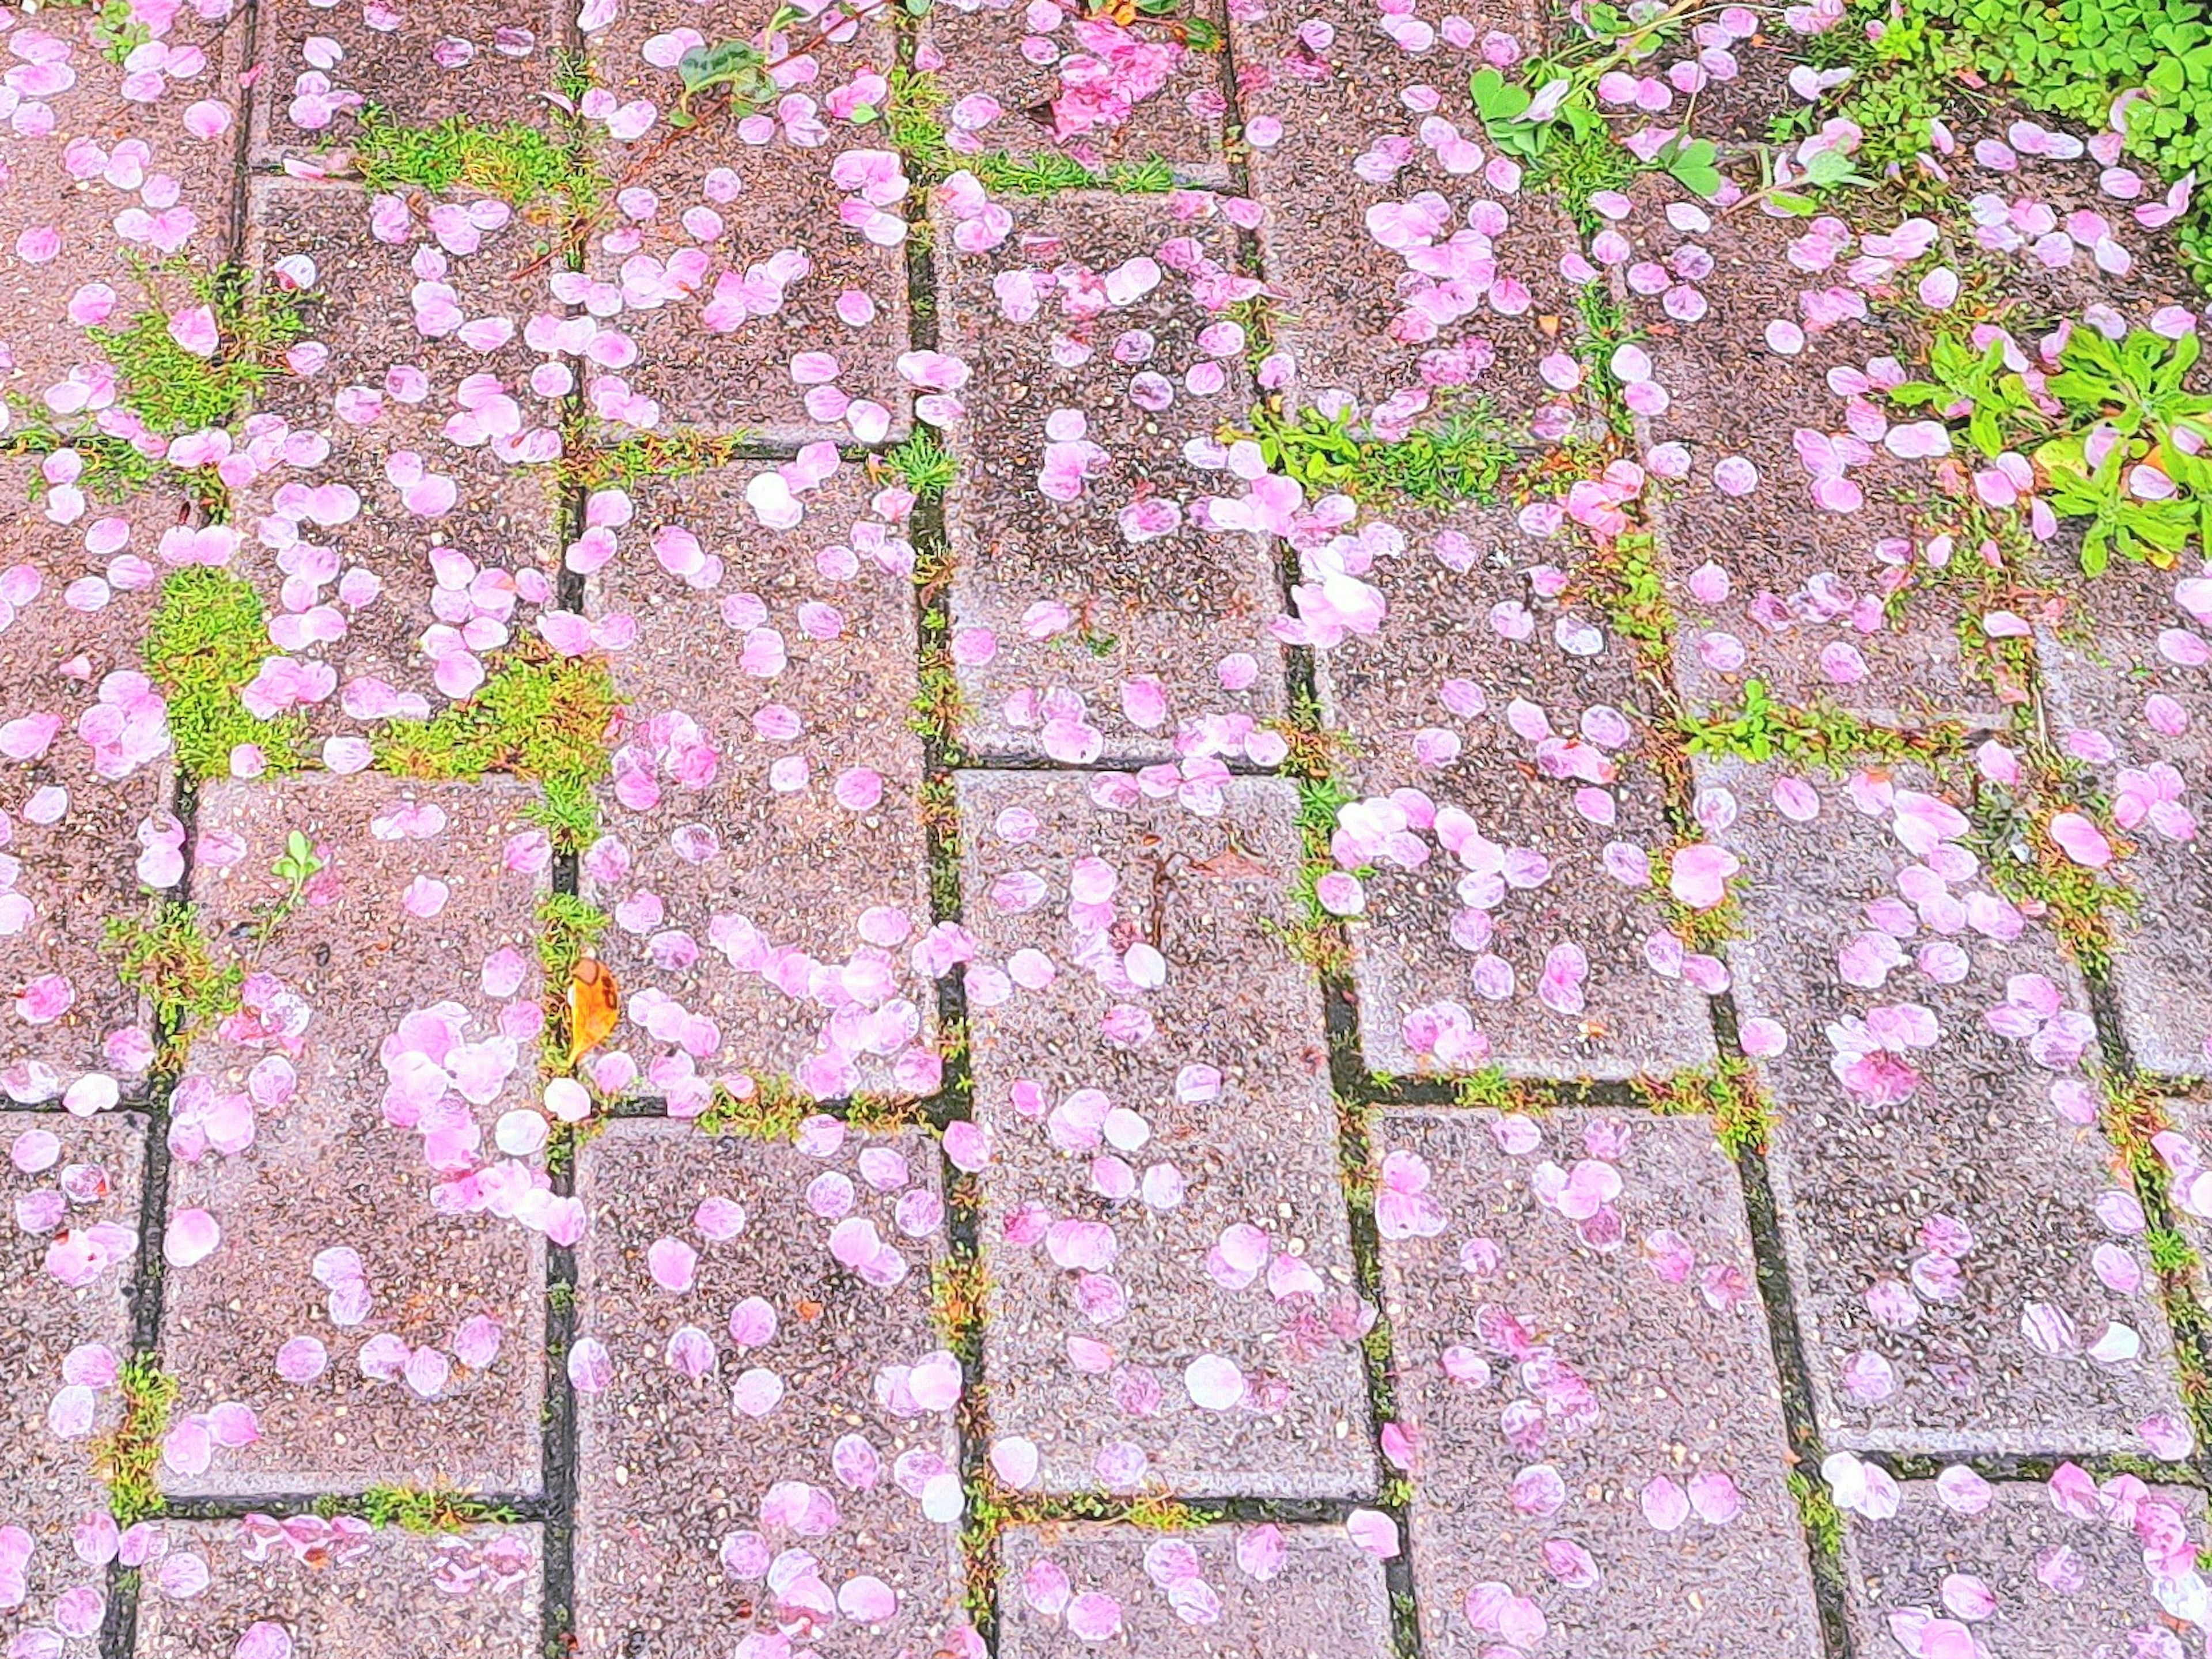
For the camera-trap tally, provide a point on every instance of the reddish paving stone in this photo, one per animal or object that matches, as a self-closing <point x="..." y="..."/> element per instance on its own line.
<point x="1101" y="1305"/>
<point x="77" y="819"/>
<point x="1809" y="607"/>
<point x="1062" y="626"/>
<point x="1259" y="1592"/>
<point x="800" y="1430"/>
<point x="1425" y="702"/>
<point x="2125" y="699"/>
<point x="71" y="1190"/>
<point x="471" y="1594"/>
<point x="340" y="547"/>
<point x="418" y="64"/>
<point x="2031" y="1581"/>
<point x="1044" y="106"/>
<point x="1940" y="1214"/>
<point x="120" y="180"/>
<point x="713" y="869"/>
<point x="1595" y="1420"/>
<point x="329" y="1170"/>
<point x="761" y="216"/>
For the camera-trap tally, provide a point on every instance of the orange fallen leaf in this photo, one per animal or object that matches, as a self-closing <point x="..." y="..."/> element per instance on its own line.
<point x="595" y="1005"/>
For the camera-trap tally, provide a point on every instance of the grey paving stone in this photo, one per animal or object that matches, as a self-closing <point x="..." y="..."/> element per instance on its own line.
<point x="1403" y="697"/>
<point x="477" y="555"/>
<point x="728" y="870"/>
<point x="738" y="380"/>
<point x="1809" y="610"/>
<point x="1595" y="1422"/>
<point x="1939" y="1216"/>
<point x="75" y="816"/>
<point x="2024" y="1578"/>
<point x="1061" y="625"/>
<point x="343" y="991"/>
<point x="1259" y="1592"/>
<point x="476" y="1592"/>
<point x="1100" y="1305"/>
<point x="802" y="1434"/>
<point x="71" y="1188"/>
<point x="2113" y="659"/>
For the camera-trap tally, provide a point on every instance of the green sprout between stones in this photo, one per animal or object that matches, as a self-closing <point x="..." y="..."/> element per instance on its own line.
<point x="125" y="1459"/>
<point x="418" y="1509"/>
<point x="923" y="463"/>
<point x="168" y="959"/>
<point x="517" y="162"/>
<point x="175" y="390"/>
<point x="772" y="1112"/>
<point x="567" y="926"/>
<point x="207" y="639"/>
<point x="1465" y="458"/>
<point x="914" y="122"/>
<point x="1727" y="1093"/>
<point x="1757" y="727"/>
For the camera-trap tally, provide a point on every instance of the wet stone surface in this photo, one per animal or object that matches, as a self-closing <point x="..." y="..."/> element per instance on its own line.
<point x="1170" y="1275"/>
<point x="1268" y="1591"/>
<point x="1491" y="703"/>
<point x="762" y="821"/>
<point x="744" y="1393"/>
<point x="1943" y="1189"/>
<point x="2024" y="1574"/>
<point x="69" y="1256"/>
<point x="1587" y="1387"/>
<point x="1093" y="615"/>
<point x="339" y="1588"/>
<point x="2127" y="680"/>
<point x="350" y="1257"/>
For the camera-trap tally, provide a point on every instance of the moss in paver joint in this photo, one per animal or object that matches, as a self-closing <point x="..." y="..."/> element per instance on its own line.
<point x="126" y="1458"/>
<point x="417" y="1510"/>
<point x="207" y="639"/>
<point x="1729" y="1093"/>
<point x="922" y="464"/>
<point x="168" y="959"/>
<point x="174" y="389"/>
<point x="567" y="926"/>
<point x="1465" y="458"/>
<point x="518" y="163"/>
<point x="772" y="1112"/>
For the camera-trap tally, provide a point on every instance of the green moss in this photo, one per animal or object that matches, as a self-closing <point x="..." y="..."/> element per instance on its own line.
<point x="173" y="389"/>
<point x="1757" y="728"/>
<point x="518" y="163"/>
<point x="420" y="1510"/>
<point x="914" y="122"/>
<point x="773" y="1112"/>
<point x="207" y="639"/>
<point x="1818" y="1514"/>
<point x="1464" y="458"/>
<point x="126" y="1458"/>
<point x="169" y="960"/>
<point x="1729" y="1094"/>
<point x="922" y="464"/>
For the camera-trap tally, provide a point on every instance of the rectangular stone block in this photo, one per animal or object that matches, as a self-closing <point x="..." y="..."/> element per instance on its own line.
<point x="68" y="1259"/>
<point x="1261" y="1592"/>
<point x="1437" y="703"/>
<point x="1091" y="615"/>
<point x="747" y="1394"/>
<point x="766" y="807"/>
<point x="744" y="261"/>
<point x="1045" y="84"/>
<point x="1938" y="1168"/>
<point x="418" y="66"/>
<point x="429" y="537"/>
<point x="2124" y="679"/>
<point x="1584" y="1370"/>
<point x="1163" y="1216"/>
<point x="78" y="811"/>
<point x="1842" y="606"/>
<point x="338" y="1587"/>
<point x="330" y="1206"/>
<point x="2020" y="1575"/>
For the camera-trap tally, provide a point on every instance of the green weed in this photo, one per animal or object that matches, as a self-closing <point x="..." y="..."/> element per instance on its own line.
<point x="126" y="1458"/>
<point x="922" y="464"/>
<point x="1464" y="458"/>
<point x="419" y="1511"/>
<point x="772" y="1112"/>
<point x="175" y="390"/>
<point x="207" y="639"/>
<point x="517" y="163"/>
<point x="169" y="960"/>
<point x="1757" y="728"/>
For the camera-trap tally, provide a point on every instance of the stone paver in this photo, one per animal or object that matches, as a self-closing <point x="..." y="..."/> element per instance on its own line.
<point x="1587" y="1388"/>
<point x="85" y="783"/>
<point x="339" y="1132"/>
<point x="2025" y="1576"/>
<point x="1092" y="615"/>
<point x="2128" y="687"/>
<point x="1162" y="1201"/>
<point x="338" y="1588"/>
<point x="1259" y="1591"/>
<point x="1937" y="1169"/>
<point x="773" y="1442"/>
<point x="1522" y="715"/>
<point x="67" y="1261"/>
<point x="762" y="829"/>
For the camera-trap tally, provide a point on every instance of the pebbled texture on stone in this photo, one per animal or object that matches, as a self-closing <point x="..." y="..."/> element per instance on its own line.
<point x="70" y="1187"/>
<point x="2031" y="1581"/>
<point x="306" y="1070"/>
<point x="341" y="1588"/>
<point x="1081" y="628"/>
<point x="799" y="1434"/>
<point x="1592" y="1402"/>
<point x="1133" y="1129"/>
<point x="766" y="806"/>
<point x="1429" y="706"/>
<point x="1941" y="1218"/>
<point x="1258" y="1591"/>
